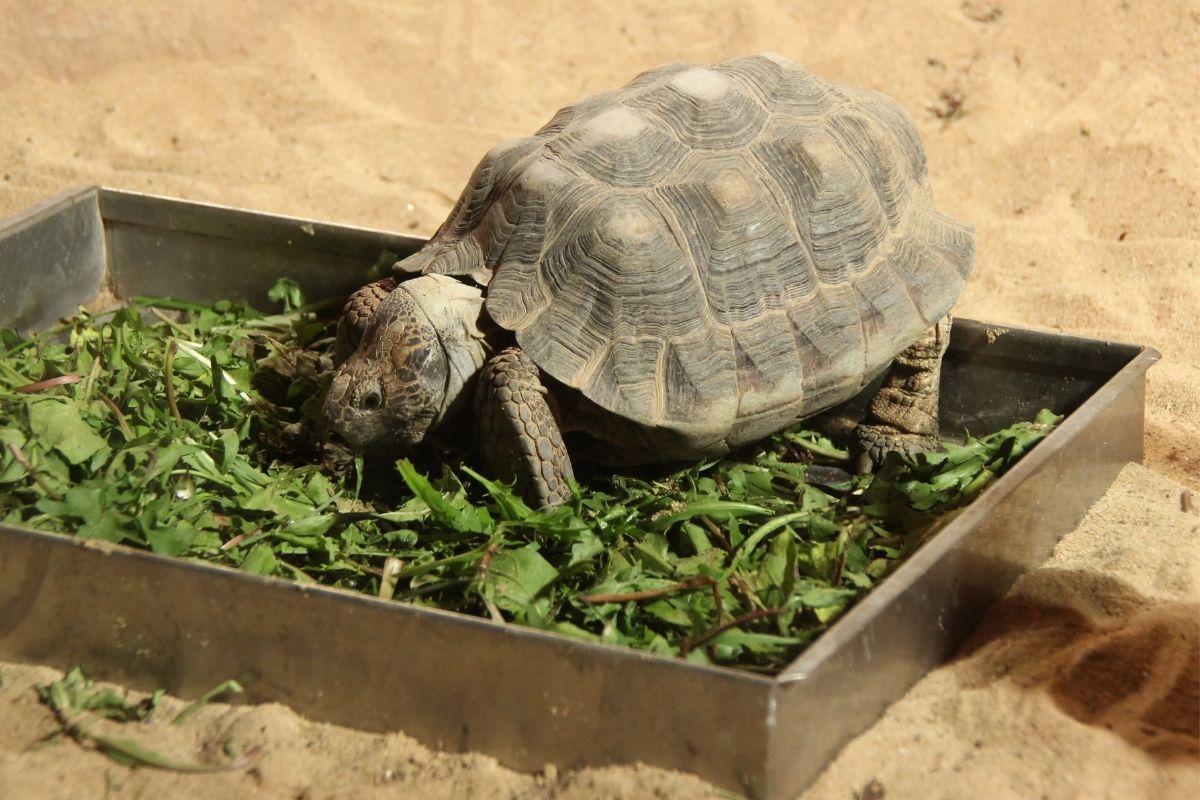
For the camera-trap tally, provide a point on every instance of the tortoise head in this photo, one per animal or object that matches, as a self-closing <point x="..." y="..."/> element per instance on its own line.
<point x="413" y="365"/>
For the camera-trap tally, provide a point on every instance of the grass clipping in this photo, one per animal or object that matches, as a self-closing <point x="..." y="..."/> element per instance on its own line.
<point x="196" y="431"/>
<point x="81" y="708"/>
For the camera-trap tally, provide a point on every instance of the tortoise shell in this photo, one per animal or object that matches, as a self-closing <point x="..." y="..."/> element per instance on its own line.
<point x="710" y="250"/>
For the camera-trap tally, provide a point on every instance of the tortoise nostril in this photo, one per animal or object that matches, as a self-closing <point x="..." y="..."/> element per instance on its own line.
<point x="372" y="400"/>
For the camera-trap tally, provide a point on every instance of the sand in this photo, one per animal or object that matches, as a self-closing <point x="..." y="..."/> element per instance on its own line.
<point x="1065" y="132"/>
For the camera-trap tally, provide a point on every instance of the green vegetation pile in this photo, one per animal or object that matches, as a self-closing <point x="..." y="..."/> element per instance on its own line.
<point x="195" y="431"/>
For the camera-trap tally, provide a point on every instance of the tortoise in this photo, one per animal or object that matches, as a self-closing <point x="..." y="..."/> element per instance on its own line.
<point x="664" y="272"/>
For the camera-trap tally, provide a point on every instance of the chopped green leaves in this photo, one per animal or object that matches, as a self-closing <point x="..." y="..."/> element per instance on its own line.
<point x="515" y="578"/>
<point x="58" y="423"/>
<point x="74" y="693"/>
<point x="196" y="431"/>
<point x="78" y="705"/>
<point x="225" y="687"/>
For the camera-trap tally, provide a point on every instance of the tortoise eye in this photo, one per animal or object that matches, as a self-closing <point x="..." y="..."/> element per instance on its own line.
<point x="372" y="400"/>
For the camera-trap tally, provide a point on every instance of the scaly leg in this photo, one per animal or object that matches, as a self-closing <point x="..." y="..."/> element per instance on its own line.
<point x="904" y="414"/>
<point x="518" y="433"/>
<point x="355" y="315"/>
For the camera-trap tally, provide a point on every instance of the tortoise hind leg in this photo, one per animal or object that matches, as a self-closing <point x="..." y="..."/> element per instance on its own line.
<point x="903" y="415"/>
<point x="518" y="433"/>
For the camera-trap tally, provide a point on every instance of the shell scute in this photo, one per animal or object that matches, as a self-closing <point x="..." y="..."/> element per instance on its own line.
<point x="619" y="147"/>
<point x="702" y="108"/>
<point x="837" y="215"/>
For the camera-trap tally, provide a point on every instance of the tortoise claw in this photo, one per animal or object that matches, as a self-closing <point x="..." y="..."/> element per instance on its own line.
<point x="874" y="442"/>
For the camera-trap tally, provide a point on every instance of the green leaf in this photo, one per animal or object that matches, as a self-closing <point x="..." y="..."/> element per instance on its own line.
<point x="824" y="597"/>
<point x="172" y="541"/>
<point x="759" y="642"/>
<point x="110" y="527"/>
<point x="586" y="546"/>
<point x="773" y="570"/>
<point x="229" y="448"/>
<point x="57" y="423"/>
<point x="287" y="292"/>
<point x="273" y="499"/>
<point x="83" y="502"/>
<point x="457" y="516"/>
<point x="131" y="754"/>
<point x="74" y="693"/>
<point x="261" y="561"/>
<point x="315" y="525"/>
<point x="720" y="509"/>
<point x="225" y="687"/>
<point x="516" y="577"/>
<point x="511" y="507"/>
<point x="764" y="530"/>
<point x="11" y="469"/>
<point x="669" y="613"/>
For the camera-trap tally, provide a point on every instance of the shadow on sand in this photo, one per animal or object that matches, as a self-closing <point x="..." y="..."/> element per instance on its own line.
<point x="1107" y="655"/>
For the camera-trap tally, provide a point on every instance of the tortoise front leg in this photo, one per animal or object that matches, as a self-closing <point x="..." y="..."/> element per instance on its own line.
<point x="904" y="413"/>
<point x="518" y="433"/>
<point x="356" y="314"/>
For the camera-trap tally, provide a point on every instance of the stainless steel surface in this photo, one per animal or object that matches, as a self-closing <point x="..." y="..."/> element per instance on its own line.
<point x="51" y="260"/>
<point x="524" y="696"/>
<point x="160" y="246"/>
<point x="453" y="681"/>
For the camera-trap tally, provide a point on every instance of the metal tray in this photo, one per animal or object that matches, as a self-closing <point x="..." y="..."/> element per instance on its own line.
<point x="527" y="697"/>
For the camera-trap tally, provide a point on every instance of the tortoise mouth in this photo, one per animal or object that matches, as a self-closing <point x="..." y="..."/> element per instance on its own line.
<point x="363" y="414"/>
<point x="359" y="427"/>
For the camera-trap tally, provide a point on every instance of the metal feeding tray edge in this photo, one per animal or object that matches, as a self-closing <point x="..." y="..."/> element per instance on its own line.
<point x="524" y="696"/>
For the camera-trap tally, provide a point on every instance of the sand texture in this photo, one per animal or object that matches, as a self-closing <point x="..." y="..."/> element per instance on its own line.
<point x="1068" y="133"/>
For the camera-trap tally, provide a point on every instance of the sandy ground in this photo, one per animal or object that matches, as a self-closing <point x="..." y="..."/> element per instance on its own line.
<point x="1066" y="132"/>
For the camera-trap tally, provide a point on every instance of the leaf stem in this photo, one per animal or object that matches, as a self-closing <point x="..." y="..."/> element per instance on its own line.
<point x="23" y="460"/>
<point x="90" y="384"/>
<point x="688" y="645"/>
<point x="170" y="376"/>
<point x="170" y="322"/>
<point x="715" y="530"/>
<point x="763" y="530"/>
<point x="122" y="423"/>
<point x="204" y="699"/>
<point x="387" y="583"/>
<point x="481" y="572"/>
<point x="819" y="449"/>
<point x="49" y="383"/>
<point x="685" y="585"/>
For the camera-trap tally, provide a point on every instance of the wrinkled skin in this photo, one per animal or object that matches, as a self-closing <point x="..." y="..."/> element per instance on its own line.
<point x="412" y="364"/>
<point x="390" y="390"/>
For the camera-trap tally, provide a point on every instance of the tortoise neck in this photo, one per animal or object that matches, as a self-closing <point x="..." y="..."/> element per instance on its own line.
<point x="455" y="310"/>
